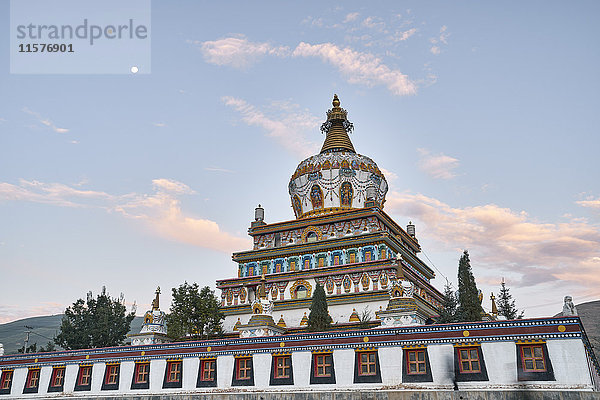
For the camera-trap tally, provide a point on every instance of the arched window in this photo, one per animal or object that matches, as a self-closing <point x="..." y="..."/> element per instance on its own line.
<point x="316" y="197"/>
<point x="301" y="292"/>
<point x="346" y="194"/>
<point x="311" y="237"/>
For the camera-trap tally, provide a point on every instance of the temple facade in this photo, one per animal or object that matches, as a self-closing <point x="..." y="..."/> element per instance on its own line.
<point x="384" y="339"/>
<point x="341" y="239"/>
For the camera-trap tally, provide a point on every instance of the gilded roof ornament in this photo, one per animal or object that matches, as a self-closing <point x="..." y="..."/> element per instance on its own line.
<point x="337" y="127"/>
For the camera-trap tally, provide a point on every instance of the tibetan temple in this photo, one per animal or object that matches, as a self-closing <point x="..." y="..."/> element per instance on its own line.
<point x="341" y="239"/>
<point x="384" y="342"/>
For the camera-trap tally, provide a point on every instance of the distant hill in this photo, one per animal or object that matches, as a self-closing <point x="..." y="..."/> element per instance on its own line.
<point x="590" y="317"/>
<point x="12" y="334"/>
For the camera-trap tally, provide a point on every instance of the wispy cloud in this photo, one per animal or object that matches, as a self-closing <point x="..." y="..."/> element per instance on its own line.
<point x="508" y="241"/>
<point x="160" y="210"/>
<point x="159" y="124"/>
<point x="218" y="169"/>
<point x="238" y="52"/>
<point x="357" y="67"/>
<point x="590" y="202"/>
<point x="288" y="127"/>
<point x="442" y="39"/>
<point x="45" y="121"/>
<point x="350" y="17"/>
<point x="438" y="166"/>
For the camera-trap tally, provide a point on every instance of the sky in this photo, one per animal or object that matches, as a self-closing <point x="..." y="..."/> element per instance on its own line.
<point x="482" y="115"/>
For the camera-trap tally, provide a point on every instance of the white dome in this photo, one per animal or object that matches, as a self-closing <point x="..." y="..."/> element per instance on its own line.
<point x="335" y="181"/>
<point x="338" y="178"/>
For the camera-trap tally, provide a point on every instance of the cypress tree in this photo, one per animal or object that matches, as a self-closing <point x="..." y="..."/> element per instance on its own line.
<point x="506" y="304"/>
<point x="469" y="308"/>
<point x="318" y="319"/>
<point x="449" y="304"/>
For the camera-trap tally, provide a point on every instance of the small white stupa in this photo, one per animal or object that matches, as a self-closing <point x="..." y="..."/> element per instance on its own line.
<point x="154" y="328"/>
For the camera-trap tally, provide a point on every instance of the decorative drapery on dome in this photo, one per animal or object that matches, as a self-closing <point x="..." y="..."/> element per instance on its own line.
<point x="337" y="178"/>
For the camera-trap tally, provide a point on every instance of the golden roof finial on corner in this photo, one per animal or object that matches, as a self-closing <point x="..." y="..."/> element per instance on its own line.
<point x="155" y="302"/>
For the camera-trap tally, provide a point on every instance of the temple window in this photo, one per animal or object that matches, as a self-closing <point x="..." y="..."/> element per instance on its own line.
<point x="532" y="358"/>
<point x="208" y="370"/>
<point x="6" y="381"/>
<point x="366" y="366"/>
<point x="33" y="381"/>
<point x="301" y="292"/>
<point x="336" y="260"/>
<point x="415" y="360"/>
<point x="57" y="380"/>
<point x="283" y="366"/>
<point x="173" y="374"/>
<point x="243" y="368"/>
<point x="323" y="365"/>
<point x="415" y="367"/>
<point x="469" y="363"/>
<point x="84" y="378"/>
<point x="292" y="265"/>
<point x="367" y="363"/>
<point x="352" y="258"/>
<point x="277" y="239"/>
<point x="322" y="368"/>
<point x="141" y="375"/>
<point x="311" y="237"/>
<point x="382" y="254"/>
<point x="321" y="261"/>
<point x="111" y="376"/>
<point x="368" y="255"/>
<point x="469" y="360"/>
<point x="533" y="363"/>
<point x="306" y="263"/>
<point x="141" y="372"/>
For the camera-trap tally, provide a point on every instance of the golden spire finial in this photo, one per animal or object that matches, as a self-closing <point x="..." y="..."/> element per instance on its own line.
<point x="336" y="101"/>
<point x="155" y="302"/>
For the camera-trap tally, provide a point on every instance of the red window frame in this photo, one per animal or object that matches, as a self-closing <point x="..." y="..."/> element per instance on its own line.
<point x="416" y="359"/>
<point x="469" y="361"/>
<point x="174" y="368"/>
<point x="142" y="372"/>
<point x="112" y="374"/>
<point x="322" y="363"/>
<point x="33" y="378"/>
<point x="85" y="375"/>
<point x="243" y="368"/>
<point x="7" y="376"/>
<point x="58" y="377"/>
<point x="207" y="369"/>
<point x="283" y="366"/>
<point x="367" y="363"/>
<point x="533" y="354"/>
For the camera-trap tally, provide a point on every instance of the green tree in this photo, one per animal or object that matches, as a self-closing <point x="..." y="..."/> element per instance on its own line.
<point x="506" y="304"/>
<point x="34" y="349"/>
<point x="319" y="319"/>
<point x="194" y="313"/>
<point x="96" y="322"/>
<point x="469" y="306"/>
<point x="449" y="305"/>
